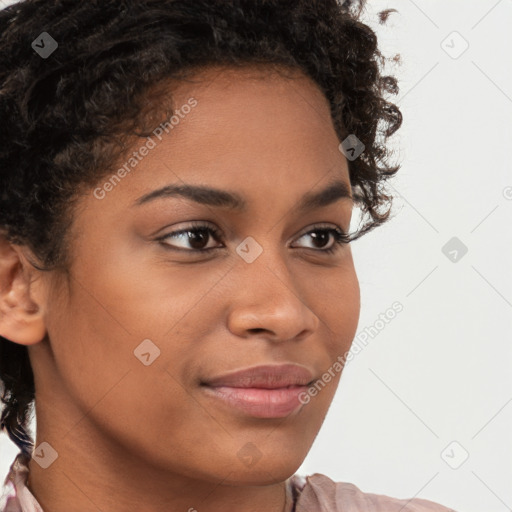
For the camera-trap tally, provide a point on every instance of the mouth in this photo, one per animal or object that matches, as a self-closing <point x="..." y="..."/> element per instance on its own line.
<point x="258" y="402"/>
<point x="268" y="391"/>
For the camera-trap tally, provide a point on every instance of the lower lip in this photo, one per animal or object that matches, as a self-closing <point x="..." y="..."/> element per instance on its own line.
<point x="258" y="402"/>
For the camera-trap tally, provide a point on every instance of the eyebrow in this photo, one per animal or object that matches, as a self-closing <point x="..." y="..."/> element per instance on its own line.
<point x="335" y="191"/>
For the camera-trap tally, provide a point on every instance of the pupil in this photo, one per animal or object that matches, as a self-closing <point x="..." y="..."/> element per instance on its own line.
<point x="323" y="236"/>
<point x="200" y="234"/>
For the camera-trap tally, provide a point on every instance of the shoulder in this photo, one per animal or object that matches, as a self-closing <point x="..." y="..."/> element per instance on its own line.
<point x="318" y="492"/>
<point x="16" y="496"/>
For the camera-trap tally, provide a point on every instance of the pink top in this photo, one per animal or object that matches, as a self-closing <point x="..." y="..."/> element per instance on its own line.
<point x="315" y="493"/>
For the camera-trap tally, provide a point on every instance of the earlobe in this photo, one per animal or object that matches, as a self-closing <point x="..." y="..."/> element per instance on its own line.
<point x="21" y="309"/>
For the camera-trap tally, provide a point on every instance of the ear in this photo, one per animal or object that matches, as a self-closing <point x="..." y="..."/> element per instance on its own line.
<point x="21" y="307"/>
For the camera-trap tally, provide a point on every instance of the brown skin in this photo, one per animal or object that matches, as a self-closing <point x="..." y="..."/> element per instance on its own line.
<point x="135" y="437"/>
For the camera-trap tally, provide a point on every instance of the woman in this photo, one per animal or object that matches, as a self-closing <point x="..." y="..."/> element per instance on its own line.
<point x="177" y="187"/>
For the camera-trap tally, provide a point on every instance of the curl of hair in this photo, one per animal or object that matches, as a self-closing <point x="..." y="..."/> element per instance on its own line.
<point x="67" y="119"/>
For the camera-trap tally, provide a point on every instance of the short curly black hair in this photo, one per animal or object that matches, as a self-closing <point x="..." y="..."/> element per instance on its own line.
<point x="66" y="119"/>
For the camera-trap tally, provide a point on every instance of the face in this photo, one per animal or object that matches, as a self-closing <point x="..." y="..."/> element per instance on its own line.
<point x="150" y="315"/>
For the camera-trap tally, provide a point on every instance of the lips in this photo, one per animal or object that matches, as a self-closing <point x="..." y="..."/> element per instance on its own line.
<point x="270" y="391"/>
<point x="265" y="377"/>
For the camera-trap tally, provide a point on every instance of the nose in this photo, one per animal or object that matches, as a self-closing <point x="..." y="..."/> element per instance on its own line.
<point x="268" y="302"/>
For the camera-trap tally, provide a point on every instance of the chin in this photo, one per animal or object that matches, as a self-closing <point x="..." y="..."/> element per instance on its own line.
<point x="266" y="471"/>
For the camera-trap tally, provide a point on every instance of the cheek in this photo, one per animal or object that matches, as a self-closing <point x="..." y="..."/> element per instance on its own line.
<point x="135" y="292"/>
<point x="338" y="304"/>
<point x="112" y="308"/>
<point x="94" y="362"/>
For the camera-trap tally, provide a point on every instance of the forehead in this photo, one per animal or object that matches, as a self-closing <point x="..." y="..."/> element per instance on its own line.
<point x="251" y="130"/>
<point x="253" y="108"/>
<point x="248" y="93"/>
<point x="220" y="77"/>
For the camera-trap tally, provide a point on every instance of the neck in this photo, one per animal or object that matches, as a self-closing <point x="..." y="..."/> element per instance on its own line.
<point x="91" y="473"/>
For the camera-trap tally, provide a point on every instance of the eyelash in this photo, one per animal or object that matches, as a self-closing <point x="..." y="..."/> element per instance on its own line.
<point x="340" y="237"/>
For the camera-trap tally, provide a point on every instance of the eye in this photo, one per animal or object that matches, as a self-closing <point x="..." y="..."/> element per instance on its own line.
<point x="339" y="238"/>
<point x="197" y="235"/>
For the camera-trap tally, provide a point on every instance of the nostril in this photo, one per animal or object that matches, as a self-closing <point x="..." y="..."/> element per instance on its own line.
<point x="257" y="330"/>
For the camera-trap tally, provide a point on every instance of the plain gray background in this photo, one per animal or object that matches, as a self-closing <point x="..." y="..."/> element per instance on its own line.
<point x="424" y="408"/>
